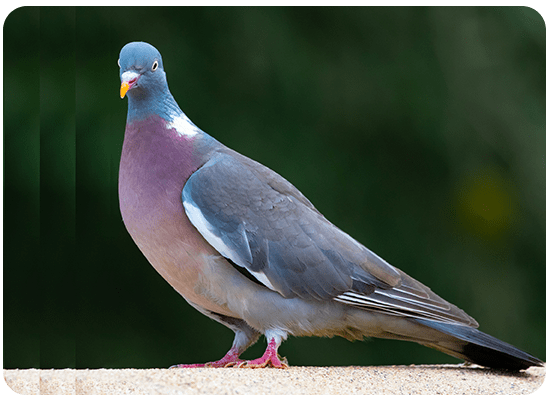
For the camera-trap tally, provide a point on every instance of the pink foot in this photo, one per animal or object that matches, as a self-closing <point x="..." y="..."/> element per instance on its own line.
<point x="270" y="358"/>
<point x="229" y="360"/>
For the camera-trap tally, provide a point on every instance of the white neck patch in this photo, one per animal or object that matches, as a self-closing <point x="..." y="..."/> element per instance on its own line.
<point x="183" y="126"/>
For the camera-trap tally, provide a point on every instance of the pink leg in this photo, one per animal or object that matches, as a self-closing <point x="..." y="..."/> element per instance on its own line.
<point x="270" y="358"/>
<point x="229" y="360"/>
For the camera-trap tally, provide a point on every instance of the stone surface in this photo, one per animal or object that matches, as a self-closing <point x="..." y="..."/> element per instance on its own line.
<point x="414" y="379"/>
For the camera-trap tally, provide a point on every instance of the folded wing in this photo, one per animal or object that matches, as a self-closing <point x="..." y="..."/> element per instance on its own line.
<point x="259" y="221"/>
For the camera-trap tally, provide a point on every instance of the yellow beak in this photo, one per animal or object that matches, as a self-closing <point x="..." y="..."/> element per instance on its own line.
<point x="123" y="89"/>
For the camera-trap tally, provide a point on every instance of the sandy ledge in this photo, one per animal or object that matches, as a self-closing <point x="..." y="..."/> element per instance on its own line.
<point x="414" y="379"/>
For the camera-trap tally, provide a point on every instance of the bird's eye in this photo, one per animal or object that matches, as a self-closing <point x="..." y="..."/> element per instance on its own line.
<point x="118" y="62"/>
<point x="155" y="65"/>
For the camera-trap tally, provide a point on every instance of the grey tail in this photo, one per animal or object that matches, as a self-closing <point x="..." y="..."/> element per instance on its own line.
<point x="480" y="348"/>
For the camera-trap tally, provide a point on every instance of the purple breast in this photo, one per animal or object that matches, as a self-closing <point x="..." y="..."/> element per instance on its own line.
<point x="155" y="164"/>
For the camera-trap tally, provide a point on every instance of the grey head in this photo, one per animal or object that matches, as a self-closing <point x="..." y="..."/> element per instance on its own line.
<point x="143" y="80"/>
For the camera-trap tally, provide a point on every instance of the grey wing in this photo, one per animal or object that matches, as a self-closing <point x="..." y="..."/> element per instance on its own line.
<point x="258" y="220"/>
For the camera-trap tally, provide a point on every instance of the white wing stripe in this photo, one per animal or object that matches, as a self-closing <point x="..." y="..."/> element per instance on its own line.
<point x="389" y="308"/>
<point x="422" y="302"/>
<point x="206" y="230"/>
<point x="419" y="315"/>
<point x="263" y="279"/>
<point x="367" y="299"/>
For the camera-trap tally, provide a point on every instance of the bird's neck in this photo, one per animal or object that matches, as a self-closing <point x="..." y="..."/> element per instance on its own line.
<point x="140" y="106"/>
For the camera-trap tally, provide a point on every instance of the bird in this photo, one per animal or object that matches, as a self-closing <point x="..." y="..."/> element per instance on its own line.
<point x="246" y="248"/>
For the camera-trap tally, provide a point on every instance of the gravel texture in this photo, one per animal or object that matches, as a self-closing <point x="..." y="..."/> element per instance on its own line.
<point x="414" y="379"/>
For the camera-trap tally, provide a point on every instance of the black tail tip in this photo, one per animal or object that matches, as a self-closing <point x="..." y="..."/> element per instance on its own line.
<point x="480" y="348"/>
<point x="498" y="359"/>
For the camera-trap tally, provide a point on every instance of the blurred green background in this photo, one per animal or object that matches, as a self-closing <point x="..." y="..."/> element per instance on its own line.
<point x="419" y="131"/>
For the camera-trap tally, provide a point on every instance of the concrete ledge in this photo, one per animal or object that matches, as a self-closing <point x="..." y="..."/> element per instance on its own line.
<point x="414" y="379"/>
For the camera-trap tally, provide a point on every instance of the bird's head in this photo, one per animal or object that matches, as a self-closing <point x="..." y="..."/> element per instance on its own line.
<point x="141" y="71"/>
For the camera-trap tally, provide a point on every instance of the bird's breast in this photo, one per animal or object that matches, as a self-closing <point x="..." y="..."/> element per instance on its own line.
<point x="154" y="167"/>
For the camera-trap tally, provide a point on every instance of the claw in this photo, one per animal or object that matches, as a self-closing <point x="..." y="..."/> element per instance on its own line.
<point x="270" y="358"/>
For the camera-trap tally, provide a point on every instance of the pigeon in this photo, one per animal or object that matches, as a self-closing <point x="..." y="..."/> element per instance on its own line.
<point x="246" y="248"/>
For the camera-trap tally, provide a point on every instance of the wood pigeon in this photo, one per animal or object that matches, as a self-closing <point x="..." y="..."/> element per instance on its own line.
<point x="244" y="247"/>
